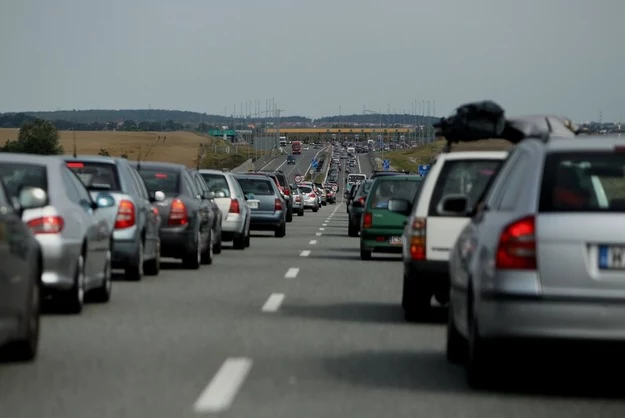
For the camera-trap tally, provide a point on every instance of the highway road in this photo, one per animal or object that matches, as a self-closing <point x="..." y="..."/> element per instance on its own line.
<point x="292" y="327"/>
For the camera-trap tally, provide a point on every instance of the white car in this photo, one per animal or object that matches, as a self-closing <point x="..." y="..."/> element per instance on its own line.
<point x="430" y="233"/>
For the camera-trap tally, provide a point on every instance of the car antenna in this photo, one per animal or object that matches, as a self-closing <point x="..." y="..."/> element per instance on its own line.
<point x="75" y="151"/>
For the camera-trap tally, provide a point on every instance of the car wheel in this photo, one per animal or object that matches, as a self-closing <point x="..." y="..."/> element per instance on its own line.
<point x="300" y="212"/>
<point x="415" y="300"/>
<point x="73" y="301"/>
<point x="217" y="244"/>
<point x="25" y="349"/>
<point x="351" y="230"/>
<point x="207" y="254"/>
<point x="193" y="260"/>
<point x="480" y="369"/>
<point x="248" y="238"/>
<point x="153" y="267"/>
<point x="102" y="294"/>
<point x="457" y="347"/>
<point x="289" y="215"/>
<point x="315" y="208"/>
<point x="134" y="272"/>
<point x="281" y="231"/>
<point x="238" y="243"/>
<point x="365" y="253"/>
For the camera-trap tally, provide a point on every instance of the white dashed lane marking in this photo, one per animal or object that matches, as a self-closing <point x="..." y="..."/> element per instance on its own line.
<point x="313" y="242"/>
<point x="220" y="392"/>
<point x="273" y="302"/>
<point x="305" y="253"/>
<point x="291" y="273"/>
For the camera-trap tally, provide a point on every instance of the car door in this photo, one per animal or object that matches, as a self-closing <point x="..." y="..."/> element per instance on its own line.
<point x="149" y="215"/>
<point x="203" y="208"/>
<point x="200" y="184"/>
<point x="96" y="228"/>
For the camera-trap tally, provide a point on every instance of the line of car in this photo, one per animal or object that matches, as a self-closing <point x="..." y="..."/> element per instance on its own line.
<point x="525" y="245"/>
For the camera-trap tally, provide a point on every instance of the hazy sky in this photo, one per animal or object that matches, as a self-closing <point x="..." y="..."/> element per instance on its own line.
<point x="312" y="56"/>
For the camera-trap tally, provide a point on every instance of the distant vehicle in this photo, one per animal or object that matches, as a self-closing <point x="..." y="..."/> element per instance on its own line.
<point x="351" y="150"/>
<point x="354" y="178"/>
<point x="283" y="141"/>
<point x="296" y="147"/>
<point x="265" y="201"/>
<point x="290" y="159"/>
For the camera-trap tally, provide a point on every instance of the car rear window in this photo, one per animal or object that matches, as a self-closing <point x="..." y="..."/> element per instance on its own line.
<point x="216" y="183"/>
<point x="96" y="175"/>
<point x="466" y="177"/>
<point x="258" y="187"/>
<point x="393" y="189"/>
<point x="583" y="182"/>
<point x="305" y="189"/>
<point x="16" y="175"/>
<point x="166" y="181"/>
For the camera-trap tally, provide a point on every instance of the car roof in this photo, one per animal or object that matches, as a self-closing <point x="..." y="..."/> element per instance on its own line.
<point x="158" y="164"/>
<point x="399" y="177"/>
<point x="473" y="155"/>
<point x="583" y="143"/>
<point x="92" y="158"/>
<point x="45" y="160"/>
<point x="251" y="177"/>
<point x="212" y="171"/>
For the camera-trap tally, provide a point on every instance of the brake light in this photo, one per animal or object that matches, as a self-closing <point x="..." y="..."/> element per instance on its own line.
<point x="155" y="212"/>
<point x="160" y="175"/>
<point x="298" y="199"/>
<point x="178" y="213"/>
<point x="417" y="239"/>
<point x="278" y="205"/>
<point x="517" y="246"/>
<point x="125" y="215"/>
<point x="234" y="206"/>
<point x="362" y="200"/>
<point x="367" y="220"/>
<point x="75" y="165"/>
<point x="312" y="195"/>
<point x="287" y="191"/>
<point x="46" y="225"/>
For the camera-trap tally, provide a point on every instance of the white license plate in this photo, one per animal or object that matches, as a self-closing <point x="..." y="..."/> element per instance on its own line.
<point x="395" y="240"/>
<point x="253" y="204"/>
<point x="611" y="257"/>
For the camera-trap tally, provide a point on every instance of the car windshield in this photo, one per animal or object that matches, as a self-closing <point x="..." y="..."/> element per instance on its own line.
<point x="583" y="182"/>
<point x="166" y="181"/>
<point x="466" y="177"/>
<point x="96" y="175"/>
<point x="15" y="176"/>
<point x="394" y="189"/>
<point x="216" y="183"/>
<point x="260" y="187"/>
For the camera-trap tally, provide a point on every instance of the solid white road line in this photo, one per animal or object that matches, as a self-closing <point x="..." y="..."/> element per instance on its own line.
<point x="305" y="253"/>
<point x="359" y="167"/>
<point x="220" y="392"/>
<point x="291" y="273"/>
<point x="273" y="302"/>
<point x="318" y="234"/>
<point x="313" y="242"/>
<point x="322" y="229"/>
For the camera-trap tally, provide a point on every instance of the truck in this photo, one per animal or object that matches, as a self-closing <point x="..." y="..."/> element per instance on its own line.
<point x="296" y="147"/>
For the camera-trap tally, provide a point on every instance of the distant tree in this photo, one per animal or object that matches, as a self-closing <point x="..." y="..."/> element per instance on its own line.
<point x="124" y="155"/>
<point x="104" y="152"/>
<point x="36" y="137"/>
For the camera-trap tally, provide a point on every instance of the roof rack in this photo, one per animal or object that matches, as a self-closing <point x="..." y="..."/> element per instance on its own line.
<point x="486" y="119"/>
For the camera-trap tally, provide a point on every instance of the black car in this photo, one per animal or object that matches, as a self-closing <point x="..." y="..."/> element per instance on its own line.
<point x="187" y="219"/>
<point x="290" y="159"/>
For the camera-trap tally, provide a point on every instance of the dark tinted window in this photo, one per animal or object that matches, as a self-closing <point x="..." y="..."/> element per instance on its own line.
<point x="260" y="187"/>
<point x="281" y="179"/>
<point x="165" y="181"/>
<point x="3" y="197"/>
<point x="305" y="189"/>
<point x="96" y="175"/>
<point x="16" y="175"/>
<point x="583" y="182"/>
<point x="467" y="177"/>
<point x="393" y="189"/>
<point x="216" y="183"/>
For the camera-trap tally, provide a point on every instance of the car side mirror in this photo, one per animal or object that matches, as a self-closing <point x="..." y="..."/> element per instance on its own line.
<point x="104" y="200"/>
<point x="400" y="206"/>
<point x="453" y="205"/>
<point x="31" y="198"/>
<point x="156" y="196"/>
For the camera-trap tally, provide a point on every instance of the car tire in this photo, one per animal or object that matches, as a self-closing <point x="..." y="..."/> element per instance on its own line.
<point x="193" y="260"/>
<point x="217" y="246"/>
<point x="480" y="370"/>
<point x="25" y="349"/>
<point x="134" y="272"/>
<point x="153" y="267"/>
<point x="457" y="348"/>
<point x="365" y="253"/>
<point x="238" y="242"/>
<point x="207" y="254"/>
<point x="248" y="239"/>
<point x="289" y="215"/>
<point x="300" y="212"/>
<point x="352" y="231"/>
<point x="315" y="209"/>
<point x="281" y="231"/>
<point x="102" y="294"/>
<point x="73" y="300"/>
<point x="415" y="300"/>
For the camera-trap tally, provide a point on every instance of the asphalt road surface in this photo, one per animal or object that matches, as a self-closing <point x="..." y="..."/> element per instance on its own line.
<point x="291" y="327"/>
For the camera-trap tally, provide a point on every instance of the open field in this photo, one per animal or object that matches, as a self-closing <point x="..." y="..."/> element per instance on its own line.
<point x="176" y="147"/>
<point x="409" y="159"/>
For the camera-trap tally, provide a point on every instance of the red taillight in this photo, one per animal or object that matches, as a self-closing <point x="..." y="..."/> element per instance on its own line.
<point x="298" y="199"/>
<point x="517" y="246"/>
<point x="278" y="205"/>
<point x="312" y="195"/>
<point x="234" y="206"/>
<point x="178" y="213"/>
<point x="46" y="225"/>
<point x="362" y="200"/>
<point x="417" y="239"/>
<point x="367" y="220"/>
<point x="155" y="212"/>
<point x="75" y="165"/>
<point x="125" y="215"/>
<point x="287" y="192"/>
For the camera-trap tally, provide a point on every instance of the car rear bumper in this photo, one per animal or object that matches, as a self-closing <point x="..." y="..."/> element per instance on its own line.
<point x="378" y="240"/>
<point x="177" y="242"/>
<point x="60" y="257"/>
<point x="266" y="222"/>
<point x="124" y="253"/>
<point x="541" y="318"/>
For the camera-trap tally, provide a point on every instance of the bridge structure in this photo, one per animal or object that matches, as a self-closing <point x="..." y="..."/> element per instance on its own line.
<point x="342" y="133"/>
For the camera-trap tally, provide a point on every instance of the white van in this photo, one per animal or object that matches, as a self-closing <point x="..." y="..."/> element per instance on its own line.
<point x="429" y="235"/>
<point x="351" y="150"/>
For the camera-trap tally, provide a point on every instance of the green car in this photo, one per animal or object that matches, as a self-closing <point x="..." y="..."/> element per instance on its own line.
<point x="387" y="207"/>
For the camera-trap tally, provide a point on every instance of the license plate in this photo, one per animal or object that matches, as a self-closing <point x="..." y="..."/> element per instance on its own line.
<point x="395" y="240"/>
<point x="253" y="204"/>
<point x="611" y="257"/>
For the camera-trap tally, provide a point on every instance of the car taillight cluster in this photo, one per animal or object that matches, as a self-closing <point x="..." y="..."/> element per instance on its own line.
<point x="178" y="213"/>
<point x="417" y="239"/>
<point x="367" y="220"/>
<point x="125" y="215"/>
<point x="362" y="200"/>
<point x="278" y="205"/>
<point x="312" y="195"/>
<point x="46" y="225"/>
<point x="234" y="207"/>
<point x="517" y="246"/>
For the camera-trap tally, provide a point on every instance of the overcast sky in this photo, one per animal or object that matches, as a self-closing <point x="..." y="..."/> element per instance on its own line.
<point x="314" y="56"/>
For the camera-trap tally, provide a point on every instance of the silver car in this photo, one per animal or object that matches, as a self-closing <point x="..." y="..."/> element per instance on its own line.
<point x="134" y="220"/>
<point x="298" y="200"/>
<point x="75" y="237"/>
<point x="236" y="214"/>
<point x="310" y="198"/>
<point x="544" y="254"/>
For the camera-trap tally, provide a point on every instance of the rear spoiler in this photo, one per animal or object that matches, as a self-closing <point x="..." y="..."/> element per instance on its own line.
<point x="485" y="120"/>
